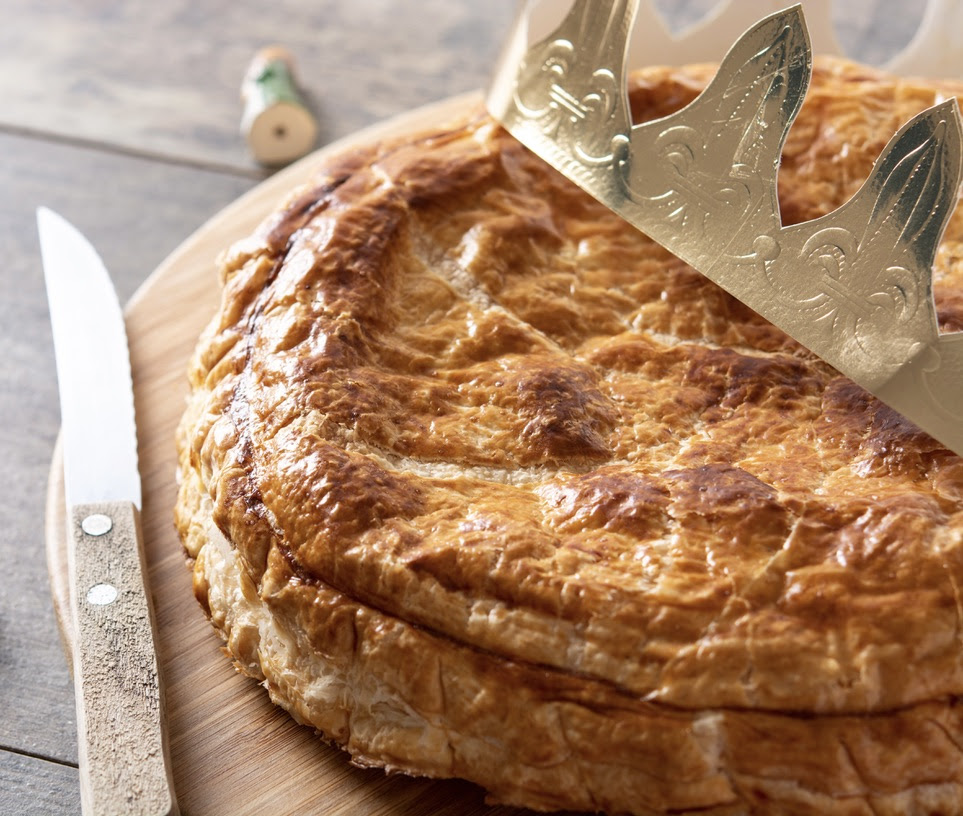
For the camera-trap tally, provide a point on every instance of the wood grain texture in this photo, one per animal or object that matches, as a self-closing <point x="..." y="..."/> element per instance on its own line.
<point x="121" y="724"/>
<point x="30" y="786"/>
<point x="36" y="692"/>
<point x="232" y="750"/>
<point x="175" y="68"/>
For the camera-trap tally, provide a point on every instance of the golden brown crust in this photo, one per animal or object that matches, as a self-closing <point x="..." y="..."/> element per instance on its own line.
<point x="588" y="530"/>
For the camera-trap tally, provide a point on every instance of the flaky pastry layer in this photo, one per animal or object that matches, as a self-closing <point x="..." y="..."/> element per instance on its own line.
<point x="484" y="483"/>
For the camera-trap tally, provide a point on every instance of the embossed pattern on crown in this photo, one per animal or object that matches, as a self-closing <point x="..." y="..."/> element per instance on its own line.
<point x="574" y="89"/>
<point x="854" y="286"/>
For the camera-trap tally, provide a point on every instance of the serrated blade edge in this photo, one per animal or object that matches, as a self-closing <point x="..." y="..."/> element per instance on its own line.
<point x="93" y="368"/>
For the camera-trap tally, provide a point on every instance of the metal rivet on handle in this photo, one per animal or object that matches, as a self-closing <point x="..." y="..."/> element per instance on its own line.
<point x="102" y="594"/>
<point x="96" y="524"/>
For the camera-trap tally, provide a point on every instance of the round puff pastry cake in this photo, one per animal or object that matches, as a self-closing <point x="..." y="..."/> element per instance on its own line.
<point x="480" y="482"/>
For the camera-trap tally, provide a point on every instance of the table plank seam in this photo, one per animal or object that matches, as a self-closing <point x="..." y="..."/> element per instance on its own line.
<point x="66" y="763"/>
<point x="53" y="137"/>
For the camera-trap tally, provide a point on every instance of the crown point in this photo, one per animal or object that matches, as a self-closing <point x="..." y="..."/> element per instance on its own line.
<point x="854" y="286"/>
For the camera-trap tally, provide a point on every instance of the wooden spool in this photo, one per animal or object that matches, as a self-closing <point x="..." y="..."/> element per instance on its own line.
<point x="276" y="122"/>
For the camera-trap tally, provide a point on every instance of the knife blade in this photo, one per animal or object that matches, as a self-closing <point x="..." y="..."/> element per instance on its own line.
<point x="122" y="738"/>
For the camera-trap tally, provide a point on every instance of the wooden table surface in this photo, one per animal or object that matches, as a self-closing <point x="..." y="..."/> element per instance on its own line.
<point x="124" y="117"/>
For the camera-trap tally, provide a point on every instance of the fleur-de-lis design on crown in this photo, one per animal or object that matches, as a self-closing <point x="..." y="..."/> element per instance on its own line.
<point x="572" y="93"/>
<point x="854" y="286"/>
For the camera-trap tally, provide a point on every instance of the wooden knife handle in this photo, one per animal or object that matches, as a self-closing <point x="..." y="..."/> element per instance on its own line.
<point x="124" y="762"/>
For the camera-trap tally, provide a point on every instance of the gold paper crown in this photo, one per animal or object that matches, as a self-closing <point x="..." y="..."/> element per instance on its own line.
<point x="854" y="286"/>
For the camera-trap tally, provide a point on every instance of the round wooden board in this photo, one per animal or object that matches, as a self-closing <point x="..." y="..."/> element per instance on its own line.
<point x="233" y="751"/>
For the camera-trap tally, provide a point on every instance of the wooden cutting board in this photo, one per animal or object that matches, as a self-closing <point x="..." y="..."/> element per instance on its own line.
<point x="233" y="751"/>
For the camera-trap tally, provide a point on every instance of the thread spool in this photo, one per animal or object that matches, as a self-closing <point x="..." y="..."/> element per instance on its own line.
<point x="276" y="122"/>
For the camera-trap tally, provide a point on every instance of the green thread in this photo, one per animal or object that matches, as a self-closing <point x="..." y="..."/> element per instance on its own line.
<point x="275" y="84"/>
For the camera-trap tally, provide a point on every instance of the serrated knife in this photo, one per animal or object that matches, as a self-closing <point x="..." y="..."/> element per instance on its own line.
<point x="122" y="741"/>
